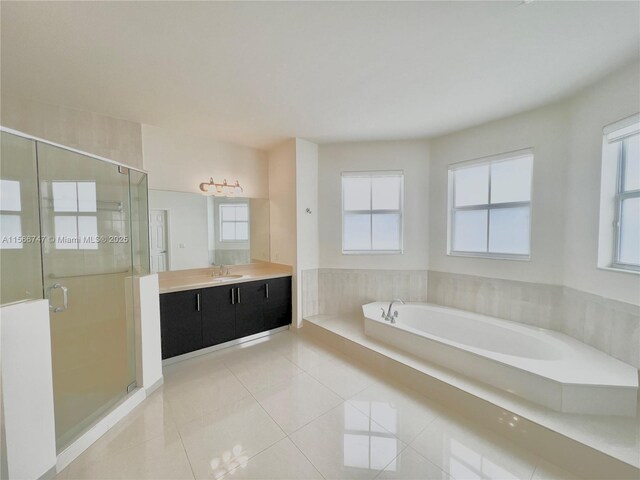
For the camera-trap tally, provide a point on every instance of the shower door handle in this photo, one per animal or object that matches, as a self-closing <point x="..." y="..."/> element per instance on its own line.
<point x="65" y="298"/>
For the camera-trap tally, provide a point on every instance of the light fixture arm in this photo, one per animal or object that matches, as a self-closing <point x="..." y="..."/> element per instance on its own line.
<point x="222" y="189"/>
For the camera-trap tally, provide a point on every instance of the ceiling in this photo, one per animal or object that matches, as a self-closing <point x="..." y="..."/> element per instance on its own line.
<point x="257" y="73"/>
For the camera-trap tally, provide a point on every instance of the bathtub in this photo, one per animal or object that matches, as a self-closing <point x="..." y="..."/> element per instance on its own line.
<point x="543" y="366"/>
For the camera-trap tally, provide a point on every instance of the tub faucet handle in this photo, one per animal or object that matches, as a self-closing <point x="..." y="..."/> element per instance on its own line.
<point x="384" y="315"/>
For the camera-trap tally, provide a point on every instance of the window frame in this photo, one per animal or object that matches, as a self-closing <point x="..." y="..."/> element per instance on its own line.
<point x="76" y="215"/>
<point x="19" y="245"/>
<point x="247" y="221"/>
<point x="620" y="197"/>
<point x="452" y="209"/>
<point x="371" y="174"/>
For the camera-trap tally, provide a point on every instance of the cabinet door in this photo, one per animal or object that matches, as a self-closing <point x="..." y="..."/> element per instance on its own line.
<point x="180" y="322"/>
<point x="277" y="304"/>
<point x="249" y="308"/>
<point x="277" y="289"/>
<point x="277" y="314"/>
<point x="218" y="315"/>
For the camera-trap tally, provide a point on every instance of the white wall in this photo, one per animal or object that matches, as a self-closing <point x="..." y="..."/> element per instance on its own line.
<point x="27" y="389"/>
<point x="545" y="130"/>
<point x="180" y="162"/>
<point x="113" y="138"/>
<point x="617" y="97"/>
<point x="567" y="142"/>
<point x="410" y="156"/>
<point x="188" y="226"/>
<point x="307" y="197"/>
<point x="307" y="226"/>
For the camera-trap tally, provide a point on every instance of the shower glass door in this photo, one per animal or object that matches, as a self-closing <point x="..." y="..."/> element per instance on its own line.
<point x="87" y="274"/>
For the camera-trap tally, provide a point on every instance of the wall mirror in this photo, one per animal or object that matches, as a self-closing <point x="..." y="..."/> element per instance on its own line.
<point x="190" y="230"/>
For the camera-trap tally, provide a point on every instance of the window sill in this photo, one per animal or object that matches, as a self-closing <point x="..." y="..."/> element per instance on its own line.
<point x="491" y="256"/>
<point x="619" y="270"/>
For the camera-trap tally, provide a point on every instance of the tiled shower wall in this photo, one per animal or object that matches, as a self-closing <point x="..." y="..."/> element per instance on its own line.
<point x="608" y="325"/>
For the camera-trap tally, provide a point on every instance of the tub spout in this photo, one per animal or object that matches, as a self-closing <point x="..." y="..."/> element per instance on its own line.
<point x="392" y="318"/>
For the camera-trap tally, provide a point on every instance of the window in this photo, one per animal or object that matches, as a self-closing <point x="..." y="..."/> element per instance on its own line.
<point x="234" y="222"/>
<point x="490" y="206"/>
<point x="372" y="212"/>
<point x="75" y="220"/>
<point x="620" y="196"/>
<point x="10" y="214"/>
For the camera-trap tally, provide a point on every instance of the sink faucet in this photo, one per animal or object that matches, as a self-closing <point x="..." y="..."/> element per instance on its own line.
<point x="221" y="270"/>
<point x="387" y="316"/>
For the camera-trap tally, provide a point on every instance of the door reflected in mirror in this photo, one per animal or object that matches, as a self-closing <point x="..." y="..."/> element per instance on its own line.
<point x="190" y="230"/>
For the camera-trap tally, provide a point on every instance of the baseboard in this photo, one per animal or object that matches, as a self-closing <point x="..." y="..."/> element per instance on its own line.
<point x="215" y="348"/>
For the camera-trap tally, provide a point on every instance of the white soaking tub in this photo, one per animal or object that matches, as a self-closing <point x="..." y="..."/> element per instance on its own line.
<point x="543" y="366"/>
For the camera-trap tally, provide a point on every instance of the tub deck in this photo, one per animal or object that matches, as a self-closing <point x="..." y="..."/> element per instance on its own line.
<point x="614" y="437"/>
<point x="560" y="373"/>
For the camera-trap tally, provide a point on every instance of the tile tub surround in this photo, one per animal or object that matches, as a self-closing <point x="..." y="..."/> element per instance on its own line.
<point x="608" y="325"/>
<point x="305" y="425"/>
<point x="345" y="291"/>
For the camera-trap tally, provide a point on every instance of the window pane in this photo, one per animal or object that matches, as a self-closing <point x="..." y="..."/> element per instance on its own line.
<point x="10" y="195"/>
<point x="356" y="450"/>
<point x="630" y="232"/>
<point x="511" y="180"/>
<point x="386" y="193"/>
<point x="471" y="186"/>
<point x="470" y="231"/>
<point x="66" y="229"/>
<point x="228" y="231"/>
<point x="242" y="213"/>
<point x="357" y="232"/>
<point x="64" y="196"/>
<point x="87" y="233"/>
<point x="242" y="231"/>
<point x="386" y="232"/>
<point x="10" y="227"/>
<point x="509" y="230"/>
<point x="86" y="196"/>
<point x="632" y="163"/>
<point x="356" y="193"/>
<point x="228" y="213"/>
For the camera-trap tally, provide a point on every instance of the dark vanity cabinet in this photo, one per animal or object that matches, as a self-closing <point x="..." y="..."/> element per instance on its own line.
<point x="195" y="319"/>
<point x="277" y="303"/>
<point x="180" y="322"/>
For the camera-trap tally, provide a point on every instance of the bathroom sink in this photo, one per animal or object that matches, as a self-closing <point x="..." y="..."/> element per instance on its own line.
<point x="227" y="277"/>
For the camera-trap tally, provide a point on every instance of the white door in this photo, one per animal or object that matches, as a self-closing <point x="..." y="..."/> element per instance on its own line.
<point x="158" y="239"/>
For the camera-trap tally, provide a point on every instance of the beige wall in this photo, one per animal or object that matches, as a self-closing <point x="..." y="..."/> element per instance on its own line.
<point x="282" y="211"/>
<point x="282" y="196"/>
<point x="410" y="156"/>
<point x="108" y="137"/>
<point x="180" y="162"/>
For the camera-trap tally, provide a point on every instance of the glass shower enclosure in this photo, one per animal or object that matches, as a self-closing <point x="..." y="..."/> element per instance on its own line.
<point x="74" y="230"/>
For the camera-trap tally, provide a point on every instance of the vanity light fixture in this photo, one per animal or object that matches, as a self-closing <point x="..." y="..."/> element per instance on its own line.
<point x="221" y="189"/>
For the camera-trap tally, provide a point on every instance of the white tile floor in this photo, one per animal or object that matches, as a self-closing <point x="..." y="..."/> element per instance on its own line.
<point x="285" y="407"/>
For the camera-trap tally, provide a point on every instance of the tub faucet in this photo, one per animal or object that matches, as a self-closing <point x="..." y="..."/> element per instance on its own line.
<point x="392" y="318"/>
